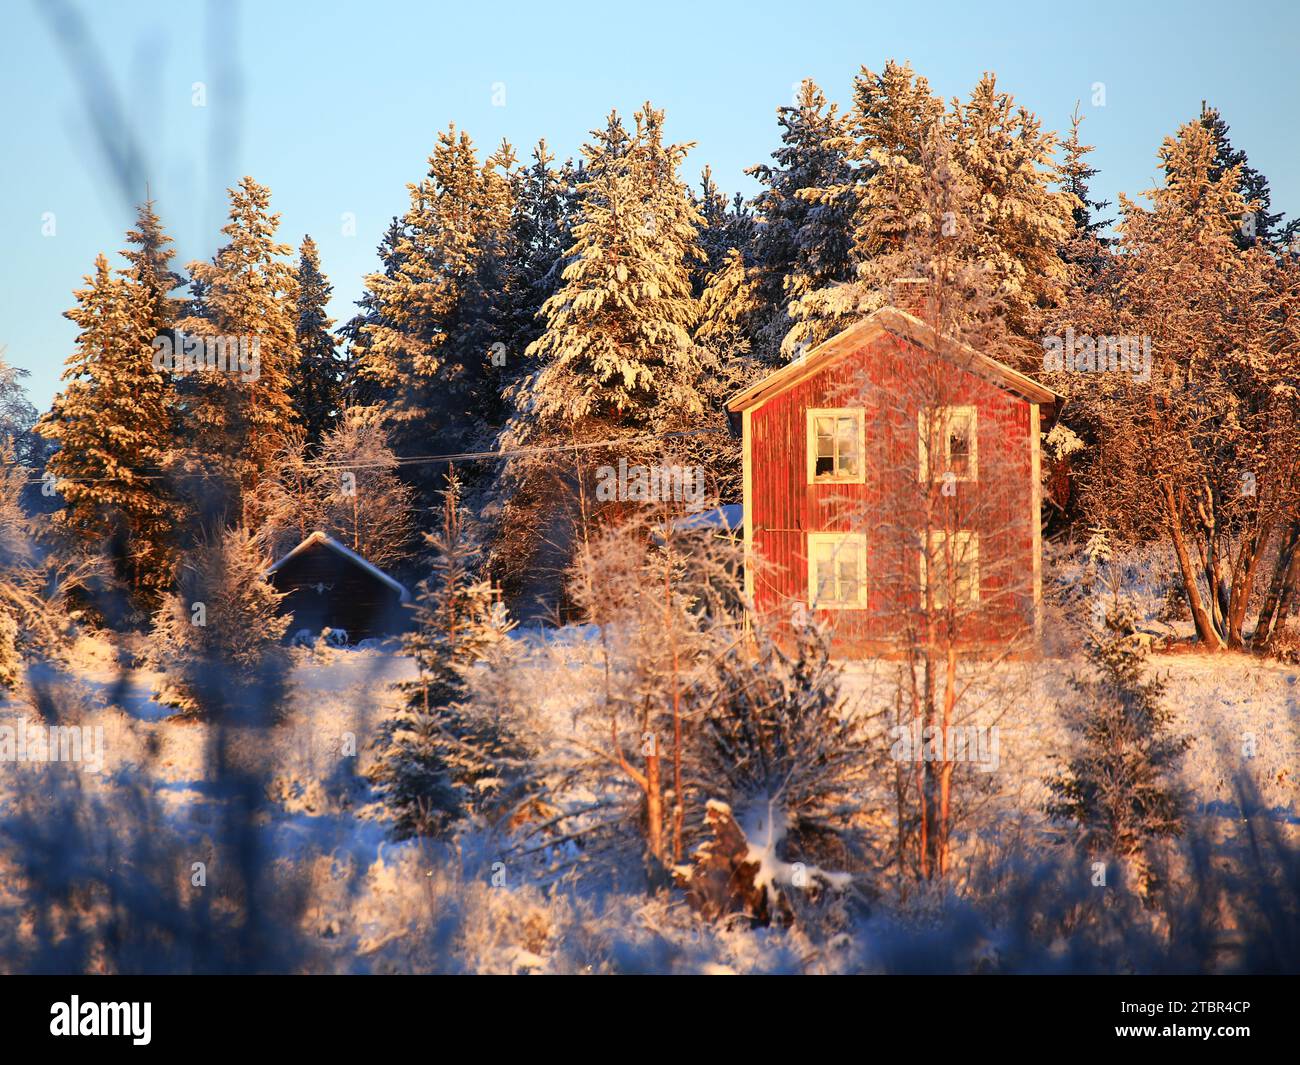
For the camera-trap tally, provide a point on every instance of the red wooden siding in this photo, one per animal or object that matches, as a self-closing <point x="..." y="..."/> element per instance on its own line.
<point x="783" y="507"/>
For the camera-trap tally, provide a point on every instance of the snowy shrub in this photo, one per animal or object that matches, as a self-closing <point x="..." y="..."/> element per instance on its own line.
<point x="217" y="637"/>
<point x="771" y="746"/>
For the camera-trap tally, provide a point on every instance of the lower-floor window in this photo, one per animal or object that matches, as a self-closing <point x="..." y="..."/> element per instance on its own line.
<point x="951" y="568"/>
<point x="837" y="570"/>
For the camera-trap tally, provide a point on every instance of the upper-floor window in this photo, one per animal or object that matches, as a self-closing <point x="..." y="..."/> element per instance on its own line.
<point x="836" y="439"/>
<point x="837" y="570"/>
<point x="949" y="443"/>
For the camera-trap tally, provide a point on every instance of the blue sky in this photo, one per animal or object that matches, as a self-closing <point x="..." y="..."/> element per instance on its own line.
<point x="336" y="105"/>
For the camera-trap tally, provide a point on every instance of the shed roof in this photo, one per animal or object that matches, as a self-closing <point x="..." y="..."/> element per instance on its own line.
<point x="890" y="320"/>
<point x="319" y="537"/>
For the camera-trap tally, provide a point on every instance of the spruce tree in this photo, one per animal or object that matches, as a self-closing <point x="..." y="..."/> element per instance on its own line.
<point x="111" y="426"/>
<point x="1022" y="221"/>
<point x="545" y="199"/>
<point x="150" y="255"/>
<point x="440" y="760"/>
<point x="1258" y="223"/>
<point x="359" y="388"/>
<point x="1119" y="787"/>
<point x="428" y="355"/>
<point x="317" y="376"/>
<point x="1086" y="248"/>
<point x="804" y="239"/>
<point x="236" y="421"/>
<point x="617" y="347"/>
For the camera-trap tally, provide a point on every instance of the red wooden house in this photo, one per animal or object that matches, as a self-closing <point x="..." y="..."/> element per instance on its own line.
<point x="883" y="439"/>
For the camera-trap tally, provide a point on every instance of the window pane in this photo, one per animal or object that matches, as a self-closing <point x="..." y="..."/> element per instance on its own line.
<point x="847" y="433"/>
<point x="959" y="444"/>
<point x="825" y="428"/>
<point x="848" y="572"/>
<point x="825" y="582"/>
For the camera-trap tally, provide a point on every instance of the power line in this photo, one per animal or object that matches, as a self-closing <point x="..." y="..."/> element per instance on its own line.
<point x="419" y="460"/>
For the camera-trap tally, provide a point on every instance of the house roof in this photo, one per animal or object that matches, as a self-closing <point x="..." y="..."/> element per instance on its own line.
<point x="892" y="321"/>
<point x="318" y="537"/>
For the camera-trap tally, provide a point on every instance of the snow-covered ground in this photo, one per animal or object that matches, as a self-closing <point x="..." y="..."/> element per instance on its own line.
<point x="375" y="904"/>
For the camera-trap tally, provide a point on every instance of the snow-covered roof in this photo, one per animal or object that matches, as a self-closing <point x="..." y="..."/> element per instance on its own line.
<point x="728" y="518"/>
<point x="909" y="327"/>
<point x="319" y="537"/>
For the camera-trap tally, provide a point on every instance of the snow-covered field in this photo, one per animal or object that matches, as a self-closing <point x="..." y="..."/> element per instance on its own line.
<point x="372" y="904"/>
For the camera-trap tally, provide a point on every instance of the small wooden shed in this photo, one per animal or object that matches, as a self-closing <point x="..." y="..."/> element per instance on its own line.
<point x="328" y="585"/>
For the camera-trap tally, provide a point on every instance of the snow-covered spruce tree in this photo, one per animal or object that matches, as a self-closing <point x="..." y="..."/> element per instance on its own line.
<point x="236" y="419"/>
<point x="216" y="638"/>
<point x="804" y="236"/>
<point x="359" y="499"/>
<point x="728" y="226"/>
<point x="1014" y="221"/>
<point x="427" y="356"/>
<point x="111" y="423"/>
<point x="883" y="138"/>
<point x="360" y="389"/>
<point x="1119" y="788"/>
<point x="441" y="757"/>
<point x="1087" y="248"/>
<point x="1021" y="219"/>
<point x="17" y="415"/>
<point x="150" y="255"/>
<point x="1257" y="223"/>
<point x="616" y="354"/>
<point x="617" y="349"/>
<point x="545" y="200"/>
<point x="317" y="374"/>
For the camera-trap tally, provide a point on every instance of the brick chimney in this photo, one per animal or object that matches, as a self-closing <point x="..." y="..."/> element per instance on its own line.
<point x="910" y="294"/>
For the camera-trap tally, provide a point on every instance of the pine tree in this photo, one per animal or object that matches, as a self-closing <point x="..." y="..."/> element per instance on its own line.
<point x="441" y="760"/>
<point x="360" y="389"/>
<point x="317" y="379"/>
<point x="804" y="237"/>
<point x="247" y="296"/>
<point x="111" y="425"/>
<point x="1119" y="788"/>
<point x="617" y="347"/>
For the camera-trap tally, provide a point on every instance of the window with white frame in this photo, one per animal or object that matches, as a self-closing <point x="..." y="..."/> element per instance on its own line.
<point x="836" y="441"/>
<point x="952" y="566"/>
<point x="837" y="570"/>
<point x="949" y="443"/>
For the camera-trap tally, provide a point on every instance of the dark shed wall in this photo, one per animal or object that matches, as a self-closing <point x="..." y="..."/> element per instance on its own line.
<point x="351" y="598"/>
